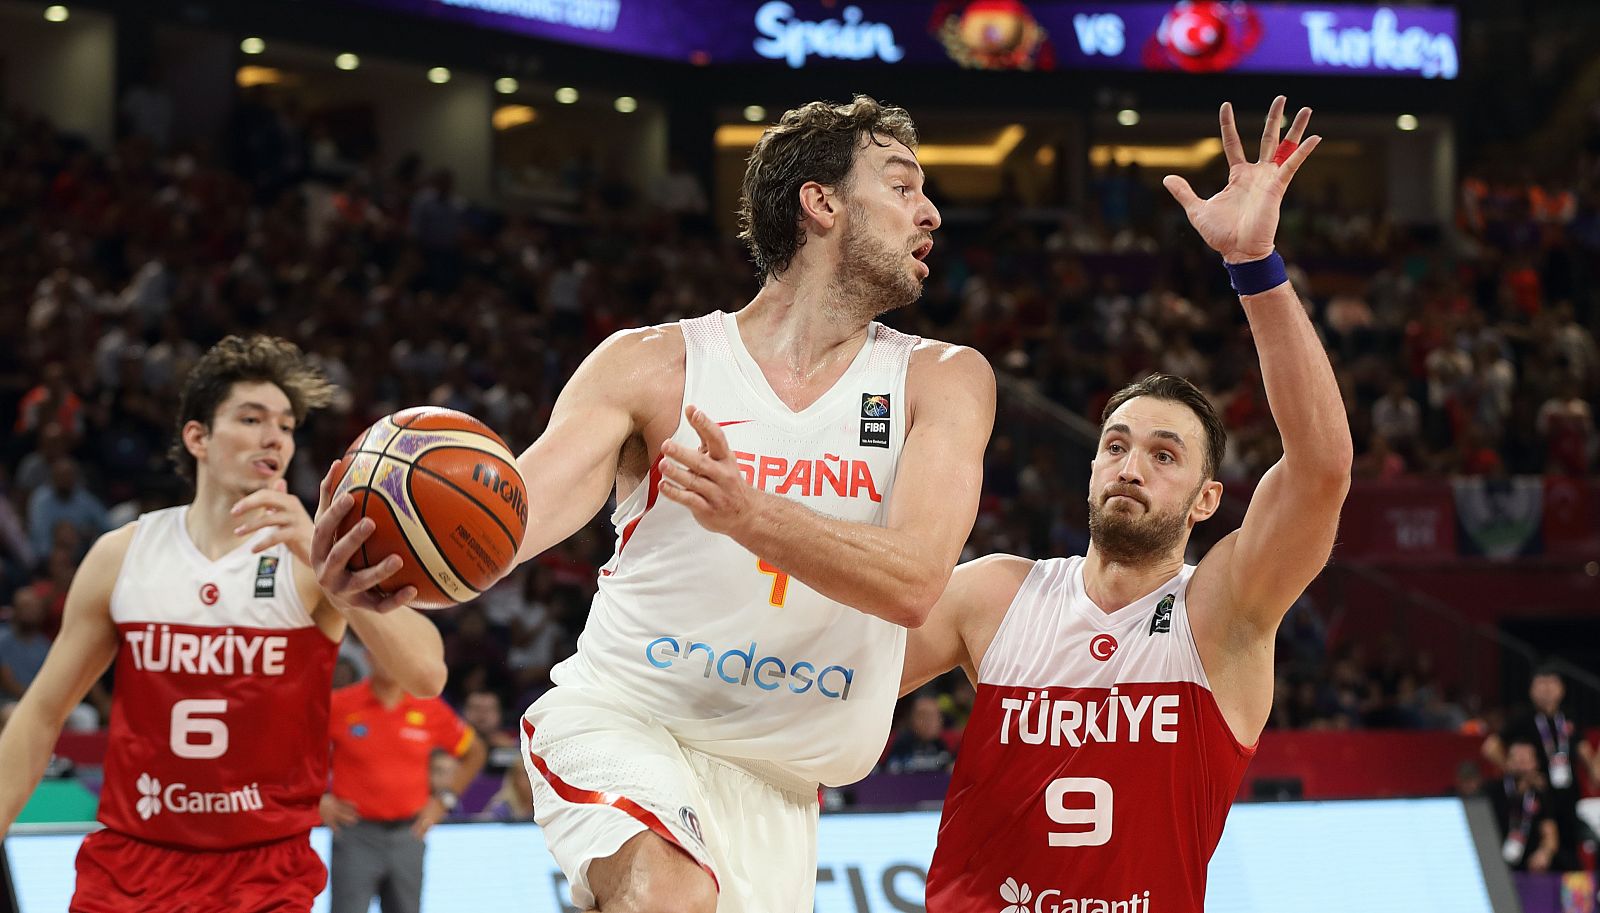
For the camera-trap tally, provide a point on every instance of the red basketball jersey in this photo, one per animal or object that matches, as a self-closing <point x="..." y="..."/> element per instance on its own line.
<point x="219" y="721"/>
<point x="1096" y="771"/>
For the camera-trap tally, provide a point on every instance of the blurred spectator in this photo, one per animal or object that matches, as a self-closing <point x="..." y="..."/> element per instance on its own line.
<point x="922" y="747"/>
<point x="1530" y="838"/>
<point x="514" y="801"/>
<point x="1561" y="756"/>
<point x="65" y="501"/>
<point x="23" y="644"/>
<point x="482" y="712"/>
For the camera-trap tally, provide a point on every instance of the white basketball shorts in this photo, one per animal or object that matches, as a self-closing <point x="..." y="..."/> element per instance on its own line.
<point x="603" y="773"/>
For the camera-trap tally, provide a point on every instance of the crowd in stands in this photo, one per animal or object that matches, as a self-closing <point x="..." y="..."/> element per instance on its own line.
<point x="1464" y="349"/>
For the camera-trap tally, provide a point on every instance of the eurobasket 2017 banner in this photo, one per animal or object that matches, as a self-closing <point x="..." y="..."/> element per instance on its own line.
<point x="1191" y="36"/>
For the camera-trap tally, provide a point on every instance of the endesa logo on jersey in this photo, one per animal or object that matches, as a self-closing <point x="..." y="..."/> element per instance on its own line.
<point x="745" y="666"/>
<point x="178" y="799"/>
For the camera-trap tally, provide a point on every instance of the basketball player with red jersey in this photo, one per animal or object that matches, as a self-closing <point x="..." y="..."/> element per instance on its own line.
<point x="794" y="482"/>
<point x="1120" y="694"/>
<point x="225" y="645"/>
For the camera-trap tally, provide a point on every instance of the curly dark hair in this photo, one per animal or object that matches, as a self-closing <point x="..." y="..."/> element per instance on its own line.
<point x="236" y="360"/>
<point x="814" y="142"/>
<point x="1178" y="390"/>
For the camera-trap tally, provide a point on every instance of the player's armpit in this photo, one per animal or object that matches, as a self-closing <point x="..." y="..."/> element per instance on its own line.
<point x="963" y="622"/>
<point x="571" y="468"/>
<point x="80" y="654"/>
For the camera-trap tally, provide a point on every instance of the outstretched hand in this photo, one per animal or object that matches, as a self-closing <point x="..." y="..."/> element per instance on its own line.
<point x="707" y="480"/>
<point x="331" y="554"/>
<point x="1241" y="222"/>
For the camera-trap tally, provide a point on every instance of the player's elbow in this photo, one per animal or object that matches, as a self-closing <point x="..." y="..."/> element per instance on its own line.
<point x="916" y="602"/>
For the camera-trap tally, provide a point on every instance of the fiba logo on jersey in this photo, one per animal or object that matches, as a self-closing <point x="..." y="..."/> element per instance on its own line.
<point x="1102" y="647"/>
<point x="1161" y="621"/>
<point x="875" y="420"/>
<point x="149" y="797"/>
<point x="209" y="594"/>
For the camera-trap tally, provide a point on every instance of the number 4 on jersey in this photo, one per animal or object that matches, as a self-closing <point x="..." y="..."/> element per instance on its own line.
<point x="780" y="582"/>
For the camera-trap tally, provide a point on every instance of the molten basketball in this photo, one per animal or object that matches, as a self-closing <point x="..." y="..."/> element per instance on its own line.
<point x="447" y="498"/>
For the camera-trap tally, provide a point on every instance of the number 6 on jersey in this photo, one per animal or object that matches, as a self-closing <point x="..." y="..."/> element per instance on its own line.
<point x="189" y="719"/>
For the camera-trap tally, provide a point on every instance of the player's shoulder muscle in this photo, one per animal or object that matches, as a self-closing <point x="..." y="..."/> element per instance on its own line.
<point x="985" y="588"/>
<point x="97" y="573"/>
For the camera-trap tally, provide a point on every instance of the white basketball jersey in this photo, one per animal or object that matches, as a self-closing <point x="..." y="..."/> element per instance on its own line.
<point x="731" y="655"/>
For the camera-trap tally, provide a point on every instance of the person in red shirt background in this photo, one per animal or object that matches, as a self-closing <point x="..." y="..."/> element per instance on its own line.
<point x="379" y="803"/>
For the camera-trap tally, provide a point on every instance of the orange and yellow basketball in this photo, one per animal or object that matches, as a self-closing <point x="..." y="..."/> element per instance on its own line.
<point x="446" y="496"/>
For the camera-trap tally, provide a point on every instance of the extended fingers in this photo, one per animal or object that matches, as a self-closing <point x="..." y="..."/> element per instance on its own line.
<point x="395" y="600"/>
<point x="681" y="475"/>
<point x="367" y="578"/>
<point x="1293" y="162"/>
<point x="1297" y="130"/>
<point x="327" y="525"/>
<point x="1232" y="146"/>
<point x="1270" y="133"/>
<point x="1181" y="191"/>
<point x="711" y="436"/>
<point x="672" y="491"/>
<point x="345" y="549"/>
<point x="329" y="482"/>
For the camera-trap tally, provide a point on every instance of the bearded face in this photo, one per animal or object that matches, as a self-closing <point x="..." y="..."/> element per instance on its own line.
<point x="873" y="272"/>
<point x="1125" y="529"/>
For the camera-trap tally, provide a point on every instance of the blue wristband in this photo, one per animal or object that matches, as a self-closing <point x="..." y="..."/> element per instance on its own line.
<point x="1257" y="276"/>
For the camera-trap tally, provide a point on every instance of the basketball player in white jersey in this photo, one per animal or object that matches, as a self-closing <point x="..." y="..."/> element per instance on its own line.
<point x="225" y="647"/>
<point x="794" y="482"/>
<point x="1120" y="694"/>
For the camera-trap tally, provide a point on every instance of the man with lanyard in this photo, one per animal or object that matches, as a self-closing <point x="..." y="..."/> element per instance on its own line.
<point x="1531" y="841"/>
<point x="1557" y="740"/>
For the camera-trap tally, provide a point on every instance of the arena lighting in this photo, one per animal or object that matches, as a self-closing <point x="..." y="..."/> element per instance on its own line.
<point x="626" y="104"/>
<point x="508" y="116"/>
<point x="505" y="85"/>
<point x="1181" y="157"/>
<point x="56" y="13"/>
<point x="1045" y="156"/>
<point x="567" y="95"/>
<point x="439" y="75"/>
<point x="755" y="114"/>
<point x="252" y="45"/>
<point x="1127" y="117"/>
<point x="991" y="154"/>
<point x="1406" y="122"/>
<point x="347" y="61"/>
<point x="257" y="76"/>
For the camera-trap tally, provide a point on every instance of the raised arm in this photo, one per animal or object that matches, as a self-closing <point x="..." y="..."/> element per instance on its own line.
<point x="897" y="571"/>
<point x="1260" y="569"/>
<point x="82" y="650"/>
